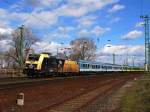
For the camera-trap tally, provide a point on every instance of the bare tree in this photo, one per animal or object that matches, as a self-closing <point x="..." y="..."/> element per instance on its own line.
<point x="28" y="40"/>
<point x="2" y="36"/>
<point x="83" y="49"/>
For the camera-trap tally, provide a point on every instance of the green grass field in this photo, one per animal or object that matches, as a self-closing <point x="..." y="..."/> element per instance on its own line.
<point x="138" y="98"/>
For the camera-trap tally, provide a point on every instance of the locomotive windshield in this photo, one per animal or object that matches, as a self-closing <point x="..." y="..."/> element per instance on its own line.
<point x="52" y="62"/>
<point x="33" y="57"/>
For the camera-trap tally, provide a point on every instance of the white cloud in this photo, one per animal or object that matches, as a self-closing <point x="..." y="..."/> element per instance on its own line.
<point x="5" y="45"/>
<point x="123" y="49"/>
<point x="37" y="20"/>
<point x="55" y="36"/>
<point x="93" y="3"/>
<point x="116" y="7"/>
<point x="79" y="8"/>
<point x="40" y="4"/>
<point x="118" y="49"/>
<point x="41" y="17"/>
<point x="86" y="21"/>
<point x="115" y="19"/>
<point x="83" y="32"/>
<point x="5" y="31"/>
<point x="49" y="47"/>
<point x="71" y="11"/>
<point x="139" y="24"/>
<point x="122" y="52"/>
<point x="4" y="19"/>
<point x="64" y="30"/>
<point x="99" y="30"/>
<point x="132" y="35"/>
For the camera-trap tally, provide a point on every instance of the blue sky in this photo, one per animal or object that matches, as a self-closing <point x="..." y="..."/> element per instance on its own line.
<point x="60" y="21"/>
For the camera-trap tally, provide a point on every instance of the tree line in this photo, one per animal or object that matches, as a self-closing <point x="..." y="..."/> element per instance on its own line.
<point x="82" y="48"/>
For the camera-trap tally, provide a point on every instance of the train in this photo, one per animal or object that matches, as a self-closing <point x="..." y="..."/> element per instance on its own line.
<point x="37" y="65"/>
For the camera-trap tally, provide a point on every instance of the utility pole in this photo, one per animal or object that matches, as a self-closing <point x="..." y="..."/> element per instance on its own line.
<point x="113" y="58"/>
<point x="57" y="51"/>
<point x="83" y="50"/>
<point x="147" y="42"/>
<point x="21" y="46"/>
<point x="126" y="61"/>
<point x="133" y="62"/>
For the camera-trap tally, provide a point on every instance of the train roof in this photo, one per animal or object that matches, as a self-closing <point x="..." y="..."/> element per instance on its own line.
<point x="89" y="62"/>
<point x="99" y="63"/>
<point x="112" y="64"/>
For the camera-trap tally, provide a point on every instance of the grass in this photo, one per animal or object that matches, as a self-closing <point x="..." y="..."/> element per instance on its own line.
<point x="138" y="98"/>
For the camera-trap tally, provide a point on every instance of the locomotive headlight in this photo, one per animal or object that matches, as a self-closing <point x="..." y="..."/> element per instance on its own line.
<point x="31" y="66"/>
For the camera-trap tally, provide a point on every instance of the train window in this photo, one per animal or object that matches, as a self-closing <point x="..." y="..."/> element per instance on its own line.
<point x="52" y="62"/>
<point x="109" y="67"/>
<point x="33" y="57"/>
<point x="104" y="67"/>
<point x="84" y="65"/>
<point x="87" y="65"/>
<point x="80" y="64"/>
<point x="96" y="66"/>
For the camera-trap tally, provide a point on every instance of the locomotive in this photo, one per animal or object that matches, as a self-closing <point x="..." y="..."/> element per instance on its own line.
<point x="46" y="65"/>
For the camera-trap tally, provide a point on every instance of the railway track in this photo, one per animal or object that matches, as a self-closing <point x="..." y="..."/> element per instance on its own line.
<point x="71" y="93"/>
<point x="80" y="102"/>
<point x="15" y="82"/>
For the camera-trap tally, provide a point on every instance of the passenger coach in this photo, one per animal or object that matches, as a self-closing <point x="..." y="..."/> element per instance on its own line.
<point x="92" y="67"/>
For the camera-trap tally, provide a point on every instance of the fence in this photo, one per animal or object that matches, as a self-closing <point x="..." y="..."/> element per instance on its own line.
<point x="11" y="73"/>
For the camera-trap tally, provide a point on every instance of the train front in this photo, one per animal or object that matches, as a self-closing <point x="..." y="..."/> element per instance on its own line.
<point x="32" y="65"/>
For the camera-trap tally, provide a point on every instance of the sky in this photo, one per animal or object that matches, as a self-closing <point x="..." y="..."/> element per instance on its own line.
<point x="114" y="25"/>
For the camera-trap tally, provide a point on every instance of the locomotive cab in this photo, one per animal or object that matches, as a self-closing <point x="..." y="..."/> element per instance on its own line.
<point x="33" y="64"/>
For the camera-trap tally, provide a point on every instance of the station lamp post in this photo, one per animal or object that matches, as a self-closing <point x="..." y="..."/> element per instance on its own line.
<point x="61" y="44"/>
<point x="113" y="54"/>
<point x="83" y="50"/>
